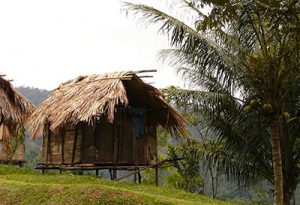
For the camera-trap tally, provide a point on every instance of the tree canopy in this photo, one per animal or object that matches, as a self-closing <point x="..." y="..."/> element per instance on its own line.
<point x="242" y="60"/>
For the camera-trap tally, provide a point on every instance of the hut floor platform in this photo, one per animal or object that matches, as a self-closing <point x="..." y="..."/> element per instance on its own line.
<point x="66" y="167"/>
<point x="134" y="169"/>
<point x="13" y="162"/>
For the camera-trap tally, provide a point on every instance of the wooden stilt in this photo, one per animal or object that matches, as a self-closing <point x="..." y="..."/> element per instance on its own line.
<point x="156" y="175"/>
<point x="139" y="177"/>
<point x="114" y="174"/>
<point x="134" y="177"/>
<point x="43" y="171"/>
<point x="97" y="172"/>
<point x="144" y="168"/>
<point x="110" y="173"/>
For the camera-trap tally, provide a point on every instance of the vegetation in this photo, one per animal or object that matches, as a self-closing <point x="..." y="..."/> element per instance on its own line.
<point x="243" y="59"/>
<point x="32" y="148"/>
<point x="188" y="170"/>
<point x="13" y="144"/>
<point x="20" y="186"/>
<point x="36" y="96"/>
<point x="169" y="177"/>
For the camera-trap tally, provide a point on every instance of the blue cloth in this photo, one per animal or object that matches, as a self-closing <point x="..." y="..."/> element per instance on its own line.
<point x="138" y="117"/>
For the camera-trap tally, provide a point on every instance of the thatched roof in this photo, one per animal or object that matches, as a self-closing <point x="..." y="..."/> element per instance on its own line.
<point x="14" y="107"/>
<point x="87" y="97"/>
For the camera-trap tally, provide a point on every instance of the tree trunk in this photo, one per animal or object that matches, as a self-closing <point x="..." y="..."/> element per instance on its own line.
<point x="289" y="187"/>
<point x="277" y="162"/>
<point x="287" y="197"/>
<point x="289" y="168"/>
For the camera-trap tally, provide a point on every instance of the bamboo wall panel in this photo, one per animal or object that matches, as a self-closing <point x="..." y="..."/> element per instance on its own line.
<point x="140" y="150"/>
<point x="17" y="156"/>
<point x="151" y="145"/>
<point x="44" y="148"/>
<point x="90" y="151"/>
<point x="99" y="144"/>
<point x="68" y="146"/>
<point x="56" y="149"/>
<point x="78" y="144"/>
<point x="126" y="141"/>
<point x="20" y="153"/>
<point x="105" y="141"/>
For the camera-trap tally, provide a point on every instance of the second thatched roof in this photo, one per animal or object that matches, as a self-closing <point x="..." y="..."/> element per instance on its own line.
<point x="87" y="97"/>
<point x="14" y="107"/>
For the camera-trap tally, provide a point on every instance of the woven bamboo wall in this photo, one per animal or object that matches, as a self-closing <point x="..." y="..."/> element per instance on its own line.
<point x="17" y="156"/>
<point x="103" y="143"/>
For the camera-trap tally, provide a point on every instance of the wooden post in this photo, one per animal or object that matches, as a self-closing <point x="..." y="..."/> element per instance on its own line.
<point x="139" y="177"/>
<point x="156" y="175"/>
<point x="97" y="140"/>
<point x="134" y="177"/>
<point x="82" y="144"/>
<point x="97" y="172"/>
<point x="110" y="173"/>
<point x="146" y="151"/>
<point x="48" y="145"/>
<point x="43" y="171"/>
<point x="95" y="133"/>
<point x="44" y="148"/>
<point x="155" y="166"/>
<point x="75" y="143"/>
<point x="114" y="174"/>
<point x="116" y="138"/>
<point x="62" y="146"/>
<point x="144" y="168"/>
<point x="133" y="146"/>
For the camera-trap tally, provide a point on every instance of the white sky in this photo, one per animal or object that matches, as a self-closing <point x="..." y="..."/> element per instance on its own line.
<point x="44" y="43"/>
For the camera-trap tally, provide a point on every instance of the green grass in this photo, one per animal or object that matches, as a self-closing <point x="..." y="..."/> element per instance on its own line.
<point x="21" y="186"/>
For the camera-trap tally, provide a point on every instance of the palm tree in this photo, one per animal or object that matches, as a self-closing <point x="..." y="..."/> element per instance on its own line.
<point x="244" y="53"/>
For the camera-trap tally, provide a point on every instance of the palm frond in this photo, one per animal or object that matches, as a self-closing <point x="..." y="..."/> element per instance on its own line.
<point x="181" y="34"/>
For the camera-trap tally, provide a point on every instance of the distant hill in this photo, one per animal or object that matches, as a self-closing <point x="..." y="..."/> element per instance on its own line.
<point x="32" y="147"/>
<point x="35" y="95"/>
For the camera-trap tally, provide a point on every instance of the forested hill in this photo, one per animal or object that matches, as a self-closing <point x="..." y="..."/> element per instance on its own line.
<point x="35" y="95"/>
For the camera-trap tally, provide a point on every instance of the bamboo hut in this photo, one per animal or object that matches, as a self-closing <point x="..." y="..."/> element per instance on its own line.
<point x="14" y="110"/>
<point x="102" y="121"/>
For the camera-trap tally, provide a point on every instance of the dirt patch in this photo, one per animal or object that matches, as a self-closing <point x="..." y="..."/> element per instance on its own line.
<point x="57" y="190"/>
<point x="95" y="194"/>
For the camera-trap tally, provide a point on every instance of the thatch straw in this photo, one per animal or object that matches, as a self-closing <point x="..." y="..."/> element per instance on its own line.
<point x="14" y="107"/>
<point x="87" y="97"/>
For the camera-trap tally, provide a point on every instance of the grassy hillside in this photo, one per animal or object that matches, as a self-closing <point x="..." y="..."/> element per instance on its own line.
<point x="19" y="186"/>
